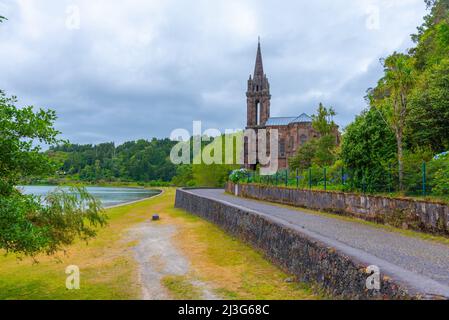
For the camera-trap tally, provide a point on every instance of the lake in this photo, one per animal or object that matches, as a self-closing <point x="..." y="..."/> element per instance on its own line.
<point x="109" y="196"/>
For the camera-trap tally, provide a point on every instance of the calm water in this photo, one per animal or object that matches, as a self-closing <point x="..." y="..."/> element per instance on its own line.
<point x="108" y="196"/>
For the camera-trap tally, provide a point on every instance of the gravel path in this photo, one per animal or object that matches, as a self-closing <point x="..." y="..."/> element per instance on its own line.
<point x="157" y="258"/>
<point x="419" y="263"/>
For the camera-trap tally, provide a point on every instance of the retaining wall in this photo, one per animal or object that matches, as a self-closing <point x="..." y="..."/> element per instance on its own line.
<point x="306" y="258"/>
<point x="404" y="213"/>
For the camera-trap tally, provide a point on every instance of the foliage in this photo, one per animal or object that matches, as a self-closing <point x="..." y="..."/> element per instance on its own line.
<point x="216" y="174"/>
<point x="323" y="121"/>
<point x="30" y="225"/>
<point x="325" y="152"/>
<point x="428" y="121"/>
<point x="441" y="180"/>
<point x="184" y="176"/>
<point x="140" y="161"/>
<point x="238" y="175"/>
<point x="368" y="147"/>
<point x="26" y="225"/>
<point x="19" y="129"/>
<point x="304" y="157"/>
<point x="318" y="151"/>
<point x="438" y="171"/>
<point x="413" y="169"/>
<point x="429" y="106"/>
<point x="391" y="97"/>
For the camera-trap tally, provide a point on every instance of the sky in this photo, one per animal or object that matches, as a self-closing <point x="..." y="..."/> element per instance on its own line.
<point x="124" y="70"/>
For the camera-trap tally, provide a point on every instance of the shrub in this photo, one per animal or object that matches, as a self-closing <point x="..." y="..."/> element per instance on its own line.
<point x="238" y="175"/>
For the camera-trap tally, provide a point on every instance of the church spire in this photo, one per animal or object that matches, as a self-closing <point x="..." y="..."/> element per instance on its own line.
<point x="258" y="69"/>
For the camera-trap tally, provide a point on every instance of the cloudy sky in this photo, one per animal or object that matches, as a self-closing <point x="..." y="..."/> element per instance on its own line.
<point x="122" y="70"/>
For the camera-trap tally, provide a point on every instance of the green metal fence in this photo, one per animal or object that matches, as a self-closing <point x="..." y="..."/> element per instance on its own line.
<point x="419" y="179"/>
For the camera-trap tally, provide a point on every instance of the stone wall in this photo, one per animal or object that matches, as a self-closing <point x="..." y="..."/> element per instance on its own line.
<point x="307" y="259"/>
<point x="404" y="213"/>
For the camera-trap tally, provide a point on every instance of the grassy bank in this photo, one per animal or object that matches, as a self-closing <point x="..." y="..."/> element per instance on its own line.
<point x="108" y="270"/>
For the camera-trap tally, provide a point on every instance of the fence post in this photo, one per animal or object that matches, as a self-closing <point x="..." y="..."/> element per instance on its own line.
<point x="310" y="178"/>
<point x="325" y="179"/>
<point x="424" y="179"/>
<point x="286" y="178"/>
<point x="297" y="178"/>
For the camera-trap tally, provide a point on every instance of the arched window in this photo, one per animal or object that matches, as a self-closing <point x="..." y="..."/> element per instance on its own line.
<point x="303" y="139"/>
<point x="258" y="113"/>
<point x="282" y="148"/>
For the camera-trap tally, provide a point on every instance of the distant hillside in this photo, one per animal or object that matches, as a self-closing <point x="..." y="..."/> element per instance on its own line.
<point x="137" y="161"/>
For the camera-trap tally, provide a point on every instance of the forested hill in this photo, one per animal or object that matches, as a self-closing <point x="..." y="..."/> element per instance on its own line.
<point x="140" y="161"/>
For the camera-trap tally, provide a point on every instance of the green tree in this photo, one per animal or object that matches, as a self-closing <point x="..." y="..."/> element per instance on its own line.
<point x="28" y="225"/>
<point x="428" y="121"/>
<point x="429" y="104"/>
<point x="304" y="157"/>
<point x="391" y="97"/>
<point x="323" y="121"/>
<point x="318" y="151"/>
<point x="216" y="174"/>
<point x="184" y="176"/>
<point x="367" y="149"/>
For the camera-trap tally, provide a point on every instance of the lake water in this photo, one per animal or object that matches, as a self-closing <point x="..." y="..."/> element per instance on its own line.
<point x="109" y="196"/>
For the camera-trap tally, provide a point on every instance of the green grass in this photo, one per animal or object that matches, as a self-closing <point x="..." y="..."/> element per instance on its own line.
<point x="181" y="288"/>
<point x="232" y="268"/>
<point x="108" y="270"/>
<point x="229" y="267"/>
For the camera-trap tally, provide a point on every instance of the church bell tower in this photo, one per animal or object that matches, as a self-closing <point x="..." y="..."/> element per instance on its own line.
<point x="258" y="95"/>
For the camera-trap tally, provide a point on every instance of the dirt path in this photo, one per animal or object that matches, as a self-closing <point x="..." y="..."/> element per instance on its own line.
<point x="158" y="257"/>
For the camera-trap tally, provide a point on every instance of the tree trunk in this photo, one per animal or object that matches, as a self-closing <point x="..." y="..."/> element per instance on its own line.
<point x="400" y="160"/>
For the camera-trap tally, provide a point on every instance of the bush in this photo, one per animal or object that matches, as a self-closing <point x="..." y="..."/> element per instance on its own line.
<point x="239" y="175"/>
<point x="438" y="172"/>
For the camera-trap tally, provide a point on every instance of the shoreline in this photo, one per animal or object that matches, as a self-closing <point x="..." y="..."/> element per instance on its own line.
<point x="135" y="201"/>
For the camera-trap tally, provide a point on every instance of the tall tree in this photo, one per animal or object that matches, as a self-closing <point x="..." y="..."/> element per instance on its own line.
<point x="323" y="121"/>
<point x="367" y="148"/>
<point x="391" y="97"/>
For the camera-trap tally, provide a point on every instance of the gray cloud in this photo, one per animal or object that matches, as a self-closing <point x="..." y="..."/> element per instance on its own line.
<point x="139" y="69"/>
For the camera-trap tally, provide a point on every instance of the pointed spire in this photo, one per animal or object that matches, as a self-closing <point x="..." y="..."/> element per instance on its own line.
<point x="258" y="70"/>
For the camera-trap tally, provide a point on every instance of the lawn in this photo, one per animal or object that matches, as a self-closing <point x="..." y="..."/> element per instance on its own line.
<point x="232" y="269"/>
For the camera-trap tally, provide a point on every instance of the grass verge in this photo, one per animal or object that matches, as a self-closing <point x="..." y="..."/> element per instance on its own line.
<point x="230" y="268"/>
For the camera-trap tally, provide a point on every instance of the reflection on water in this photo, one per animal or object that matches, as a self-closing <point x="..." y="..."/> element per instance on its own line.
<point x="108" y="196"/>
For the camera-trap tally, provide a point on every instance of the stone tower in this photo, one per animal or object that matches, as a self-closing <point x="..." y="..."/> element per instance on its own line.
<point x="258" y="95"/>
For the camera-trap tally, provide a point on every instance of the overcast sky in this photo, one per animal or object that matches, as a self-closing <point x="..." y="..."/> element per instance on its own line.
<point x="123" y="70"/>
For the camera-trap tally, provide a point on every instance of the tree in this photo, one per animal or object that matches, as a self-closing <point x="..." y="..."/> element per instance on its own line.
<point x="391" y="97"/>
<point x="304" y="157"/>
<point x="368" y="147"/>
<point x="428" y="121"/>
<point x="323" y="121"/>
<point x="318" y="151"/>
<point x="27" y="224"/>
<point x="216" y="174"/>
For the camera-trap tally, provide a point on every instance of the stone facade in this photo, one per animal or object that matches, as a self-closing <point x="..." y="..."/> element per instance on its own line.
<point x="403" y="213"/>
<point x="293" y="131"/>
